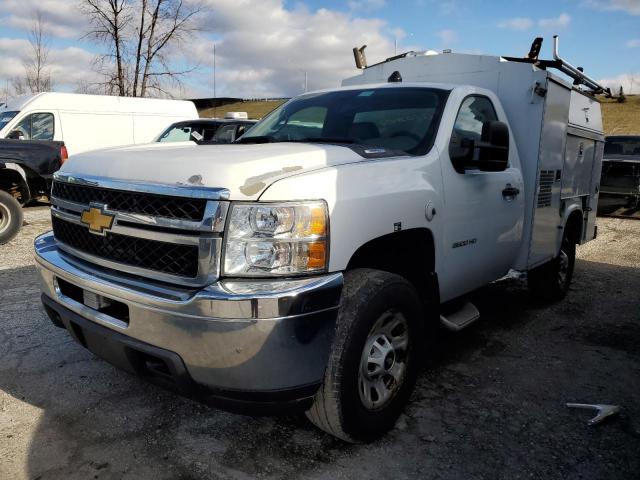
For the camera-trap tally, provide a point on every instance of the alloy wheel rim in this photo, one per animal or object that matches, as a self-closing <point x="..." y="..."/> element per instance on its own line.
<point x="5" y="217"/>
<point x="383" y="364"/>
<point x="563" y="267"/>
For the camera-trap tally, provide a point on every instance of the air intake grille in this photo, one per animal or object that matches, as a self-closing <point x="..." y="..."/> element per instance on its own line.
<point x="547" y="177"/>
<point x="133" y="202"/>
<point x="162" y="257"/>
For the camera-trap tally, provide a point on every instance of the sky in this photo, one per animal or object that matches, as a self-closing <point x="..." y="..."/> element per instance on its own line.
<point x="265" y="48"/>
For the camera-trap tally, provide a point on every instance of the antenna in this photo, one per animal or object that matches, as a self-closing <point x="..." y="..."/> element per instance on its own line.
<point x="360" y="57"/>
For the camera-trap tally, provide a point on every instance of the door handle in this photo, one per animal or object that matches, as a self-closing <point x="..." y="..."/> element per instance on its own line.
<point x="510" y="191"/>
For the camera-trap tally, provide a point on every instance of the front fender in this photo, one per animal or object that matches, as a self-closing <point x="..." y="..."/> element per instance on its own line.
<point x="369" y="199"/>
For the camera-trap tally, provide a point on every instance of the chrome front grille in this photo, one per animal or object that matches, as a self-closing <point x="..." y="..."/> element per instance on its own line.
<point x="167" y="233"/>
<point x="133" y="202"/>
<point x="162" y="257"/>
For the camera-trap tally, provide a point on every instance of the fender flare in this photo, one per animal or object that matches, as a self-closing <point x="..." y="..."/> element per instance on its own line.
<point x="572" y="211"/>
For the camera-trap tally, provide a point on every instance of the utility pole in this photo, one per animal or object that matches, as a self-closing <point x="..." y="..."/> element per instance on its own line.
<point x="214" y="80"/>
<point x="305" y="81"/>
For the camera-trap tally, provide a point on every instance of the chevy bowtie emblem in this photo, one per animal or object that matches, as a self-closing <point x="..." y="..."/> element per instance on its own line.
<point x="97" y="220"/>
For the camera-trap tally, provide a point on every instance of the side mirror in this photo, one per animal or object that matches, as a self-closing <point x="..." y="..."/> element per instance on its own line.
<point x="490" y="154"/>
<point x="16" y="135"/>
<point x="494" y="147"/>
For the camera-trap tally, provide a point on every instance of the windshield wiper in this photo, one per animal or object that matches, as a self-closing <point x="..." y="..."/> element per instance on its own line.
<point x="257" y="139"/>
<point x="270" y="139"/>
<point x="324" y="140"/>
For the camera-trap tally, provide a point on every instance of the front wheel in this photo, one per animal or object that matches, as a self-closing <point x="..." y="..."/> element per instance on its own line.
<point x="550" y="282"/>
<point x="10" y="217"/>
<point x="374" y="359"/>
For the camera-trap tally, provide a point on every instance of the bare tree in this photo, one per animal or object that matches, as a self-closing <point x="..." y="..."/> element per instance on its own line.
<point x="19" y="86"/>
<point x="36" y="66"/>
<point x="140" y="35"/>
<point x="109" y="22"/>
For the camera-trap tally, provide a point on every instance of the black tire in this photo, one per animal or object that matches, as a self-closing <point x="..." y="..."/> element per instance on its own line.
<point x="10" y="217"/>
<point x="339" y="405"/>
<point x="550" y="282"/>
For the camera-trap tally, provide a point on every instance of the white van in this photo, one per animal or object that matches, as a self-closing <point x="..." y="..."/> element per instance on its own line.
<point x="89" y="122"/>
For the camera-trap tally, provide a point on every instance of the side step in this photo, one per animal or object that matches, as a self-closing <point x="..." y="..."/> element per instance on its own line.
<point x="461" y="318"/>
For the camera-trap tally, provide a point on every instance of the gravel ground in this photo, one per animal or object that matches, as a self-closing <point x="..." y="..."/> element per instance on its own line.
<point x="491" y="406"/>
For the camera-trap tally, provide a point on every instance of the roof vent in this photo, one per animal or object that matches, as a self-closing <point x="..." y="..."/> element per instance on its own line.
<point x="395" y="77"/>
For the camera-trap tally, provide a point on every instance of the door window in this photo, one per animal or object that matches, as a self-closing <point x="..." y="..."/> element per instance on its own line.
<point x="474" y="112"/>
<point x="37" y="126"/>
<point x="6" y="117"/>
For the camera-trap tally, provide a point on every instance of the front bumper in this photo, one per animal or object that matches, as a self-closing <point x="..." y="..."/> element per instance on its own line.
<point x="258" y="341"/>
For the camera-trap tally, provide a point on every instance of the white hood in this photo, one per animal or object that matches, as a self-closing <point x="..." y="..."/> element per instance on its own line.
<point x="245" y="170"/>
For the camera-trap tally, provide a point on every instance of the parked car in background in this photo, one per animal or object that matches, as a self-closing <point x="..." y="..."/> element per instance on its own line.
<point x="620" y="182"/>
<point x="90" y="122"/>
<point x="38" y="132"/>
<point x="206" y="130"/>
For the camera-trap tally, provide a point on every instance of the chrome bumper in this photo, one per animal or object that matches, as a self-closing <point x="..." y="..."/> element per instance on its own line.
<point x="254" y="336"/>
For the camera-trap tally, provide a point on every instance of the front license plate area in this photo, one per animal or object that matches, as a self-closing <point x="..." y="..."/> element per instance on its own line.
<point x="95" y="301"/>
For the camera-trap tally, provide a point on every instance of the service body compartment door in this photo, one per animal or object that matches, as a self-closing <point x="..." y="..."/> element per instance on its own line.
<point x="545" y="234"/>
<point x="578" y="166"/>
<point x="581" y="175"/>
<point x="596" y="172"/>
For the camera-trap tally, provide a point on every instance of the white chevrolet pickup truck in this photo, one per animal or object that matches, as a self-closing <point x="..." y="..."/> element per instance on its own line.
<point x="306" y="265"/>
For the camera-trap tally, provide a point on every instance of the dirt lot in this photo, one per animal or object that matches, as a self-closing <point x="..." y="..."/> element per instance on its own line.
<point x="492" y="406"/>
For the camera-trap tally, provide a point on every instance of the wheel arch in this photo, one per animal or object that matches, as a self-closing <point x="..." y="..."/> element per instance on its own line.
<point x="409" y="253"/>
<point x="13" y="180"/>
<point x="574" y="225"/>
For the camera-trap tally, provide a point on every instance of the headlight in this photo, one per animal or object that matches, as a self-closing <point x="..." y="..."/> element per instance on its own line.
<point x="276" y="239"/>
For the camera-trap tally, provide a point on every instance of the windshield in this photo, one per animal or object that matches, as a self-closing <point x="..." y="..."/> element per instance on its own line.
<point x="399" y="119"/>
<point x="5" y="117"/>
<point x="622" y="146"/>
<point x="184" y="132"/>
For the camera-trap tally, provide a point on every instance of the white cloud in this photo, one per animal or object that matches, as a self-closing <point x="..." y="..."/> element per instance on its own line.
<point x="633" y="43"/>
<point x="265" y="48"/>
<point x="398" y="33"/>
<point x="630" y="83"/>
<point x="561" y="21"/>
<point x="61" y="17"/>
<point x="68" y="66"/>
<point x="445" y="7"/>
<point x="366" y="5"/>
<point x="447" y="37"/>
<point x="517" y="23"/>
<point x="524" y="23"/>
<point x="631" y="7"/>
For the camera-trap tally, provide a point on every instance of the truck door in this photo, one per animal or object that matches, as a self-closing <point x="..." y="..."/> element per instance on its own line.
<point x="484" y="211"/>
